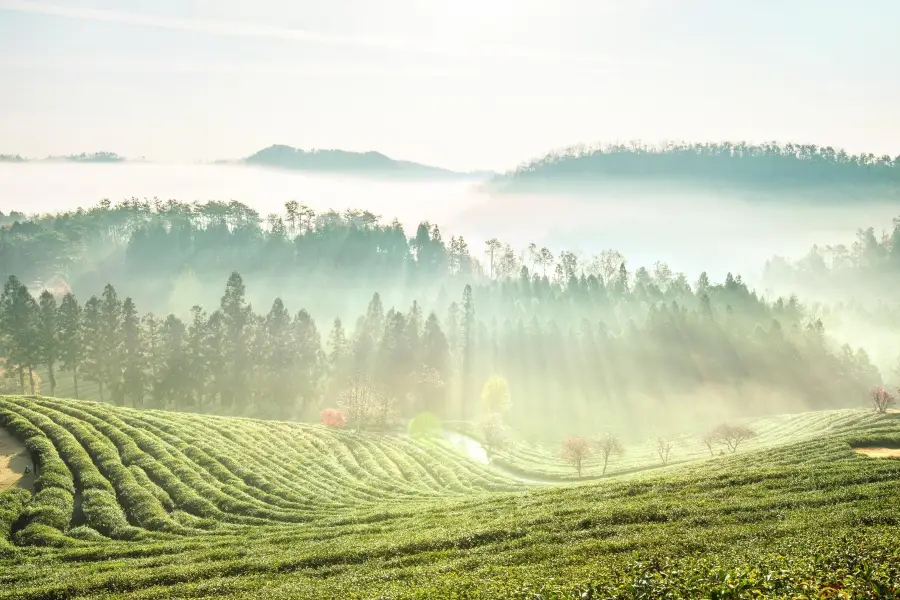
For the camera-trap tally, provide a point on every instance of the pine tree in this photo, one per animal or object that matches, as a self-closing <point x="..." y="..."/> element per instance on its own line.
<point x="436" y="366"/>
<point x="92" y="365"/>
<point x="132" y="355"/>
<point x="394" y="356"/>
<point x="310" y="358"/>
<point x="435" y="347"/>
<point x="19" y="313"/>
<point x="257" y="371"/>
<point x="279" y="361"/>
<point x="175" y="378"/>
<point x="71" y="342"/>
<point x="214" y="357"/>
<point x="110" y="342"/>
<point x="47" y="337"/>
<point x="368" y="335"/>
<point x="338" y="347"/>
<point x="198" y="367"/>
<point x="467" y="347"/>
<point x="153" y="359"/>
<point x="235" y="315"/>
<point x="414" y="328"/>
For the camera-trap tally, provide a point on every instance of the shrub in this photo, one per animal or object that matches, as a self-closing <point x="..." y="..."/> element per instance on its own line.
<point x="882" y="399"/>
<point x="425" y="425"/>
<point x="334" y="417"/>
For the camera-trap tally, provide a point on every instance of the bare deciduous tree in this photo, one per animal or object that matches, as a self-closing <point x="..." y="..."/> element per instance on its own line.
<point x="364" y="403"/>
<point x="663" y="448"/>
<point x="732" y="435"/>
<point x="708" y="440"/>
<point x="576" y="450"/>
<point x="609" y="445"/>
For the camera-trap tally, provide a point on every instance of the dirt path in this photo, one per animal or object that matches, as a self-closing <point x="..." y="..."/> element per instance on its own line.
<point x="879" y="452"/>
<point x="13" y="461"/>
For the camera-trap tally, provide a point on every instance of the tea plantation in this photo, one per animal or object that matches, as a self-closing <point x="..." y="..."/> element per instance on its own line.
<point x="148" y="504"/>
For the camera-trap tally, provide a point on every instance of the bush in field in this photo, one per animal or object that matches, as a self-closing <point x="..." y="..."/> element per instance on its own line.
<point x="424" y="425"/>
<point x="333" y="417"/>
<point x="882" y="399"/>
<point x="493" y="434"/>
<point x="575" y="450"/>
<point x="731" y="435"/>
<point x="609" y="445"/>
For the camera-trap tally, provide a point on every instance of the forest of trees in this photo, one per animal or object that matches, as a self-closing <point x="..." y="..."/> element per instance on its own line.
<point x="870" y="262"/>
<point x="580" y="340"/>
<point x="632" y="350"/>
<point x="770" y="165"/>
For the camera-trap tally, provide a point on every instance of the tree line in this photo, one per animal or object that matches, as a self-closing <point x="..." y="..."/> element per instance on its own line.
<point x="631" y="351"/>
<point x="768" y="165"/>
<point x="867" y="265"/>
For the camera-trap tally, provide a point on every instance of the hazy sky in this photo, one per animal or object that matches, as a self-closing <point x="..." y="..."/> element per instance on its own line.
<point x="461" y="83"/>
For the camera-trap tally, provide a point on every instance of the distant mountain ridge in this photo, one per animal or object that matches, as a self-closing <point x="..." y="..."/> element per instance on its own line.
<point x="768" y="166"/>
<point x="84" y="157"/>
<point x="344" y="161"/>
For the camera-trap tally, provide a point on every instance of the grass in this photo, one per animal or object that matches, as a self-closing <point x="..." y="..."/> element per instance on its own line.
<point x="148" y="504"/>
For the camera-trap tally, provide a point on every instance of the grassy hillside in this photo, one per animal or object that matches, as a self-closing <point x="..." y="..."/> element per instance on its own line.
<point x="149" y="504"/>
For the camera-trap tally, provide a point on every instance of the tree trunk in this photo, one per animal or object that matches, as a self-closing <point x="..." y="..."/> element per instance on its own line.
<point x="605" y="461"/>
<point x="31" y="380"/>
<point x="100" y="385"/>
<point x="75" y="380"/>
<point x="22" y="379"/>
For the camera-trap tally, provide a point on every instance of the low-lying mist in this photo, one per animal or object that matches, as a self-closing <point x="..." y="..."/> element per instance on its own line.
<point x="693" y="232"/>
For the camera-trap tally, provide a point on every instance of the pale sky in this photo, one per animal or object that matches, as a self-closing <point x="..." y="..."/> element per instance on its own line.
<point x="458" y="83"/>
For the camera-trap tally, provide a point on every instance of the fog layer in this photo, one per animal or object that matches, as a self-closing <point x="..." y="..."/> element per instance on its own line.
<point x="692" y="232"/>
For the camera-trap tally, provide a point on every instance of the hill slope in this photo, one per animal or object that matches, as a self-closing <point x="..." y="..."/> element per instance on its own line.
<point x="725" y="166"/>
<point x="343" y="161"/>
<point x="159" y="505"/>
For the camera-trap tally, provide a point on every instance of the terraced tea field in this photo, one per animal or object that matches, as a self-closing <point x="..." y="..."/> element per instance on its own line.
<point x="149" y="504"/>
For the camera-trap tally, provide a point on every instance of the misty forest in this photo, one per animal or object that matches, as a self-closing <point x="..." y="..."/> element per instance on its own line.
<point x="311" y="403"/>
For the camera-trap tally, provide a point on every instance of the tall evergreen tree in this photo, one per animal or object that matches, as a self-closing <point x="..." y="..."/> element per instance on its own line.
<point x="19" y="314"/>
<point x="93" y="365"/>
<point x="133" y="358"/>
<point x="47" y="337"/>
<point x="71" y="342"/>
<point x="467" y="349"/>
<point x="235" y="314"/>
<point x="110" y="342"/>
<point x="174" y="372"/>
<point x="310" y="358"/>
<point x="197" y="366"/>
<point x="280" y="362"/>
<point x="153" y="360"/>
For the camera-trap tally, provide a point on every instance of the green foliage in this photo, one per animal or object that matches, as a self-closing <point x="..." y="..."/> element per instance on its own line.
<point x="251" y="509"/>
<point x="495" y="395"/>
<point x="583" y="342"/>
<point x="425" y="425"/>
